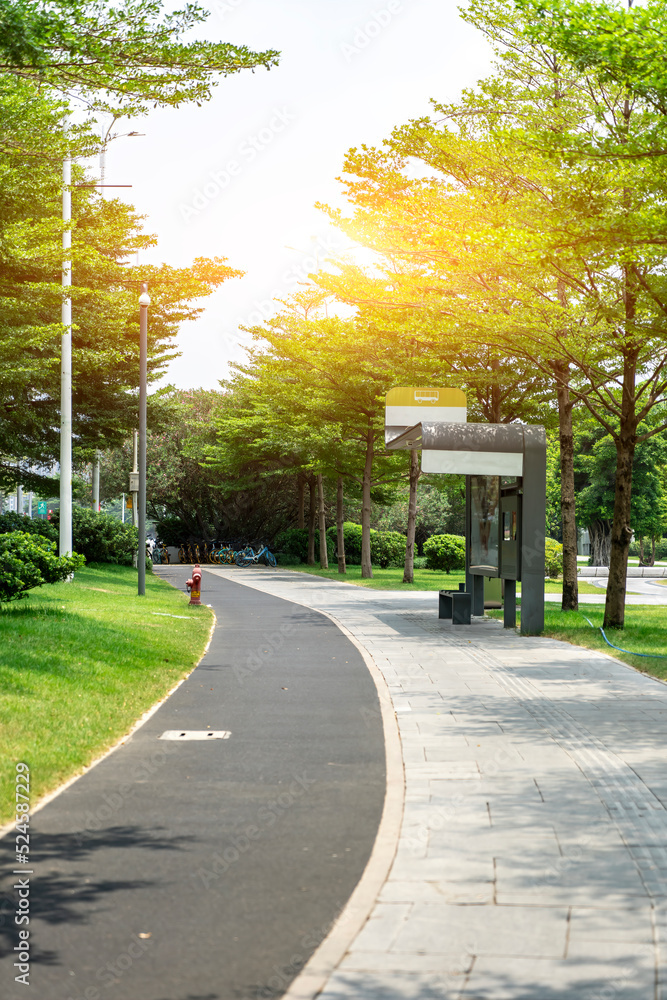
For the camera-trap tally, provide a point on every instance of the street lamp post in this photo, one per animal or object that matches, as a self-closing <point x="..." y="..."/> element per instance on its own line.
<point x="65" y="546"/>
<point x="144" y="302"/>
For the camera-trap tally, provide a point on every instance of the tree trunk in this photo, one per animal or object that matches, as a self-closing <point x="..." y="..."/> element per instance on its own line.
<point x="324" y="559"/>
<point x="301" y="501"/>
<point x="339" y="526"/>
<point x="312" y="517"/>
<point x="570" y="583"/>
<point x="600" y="536"/>
<point x="415" y="472"/>
<point x="641" y="551"/>
<point x="621" y="532"/>
<point x="495" y="393"/>
<point x="652" y="563"/>
<point x="366" y="567"/>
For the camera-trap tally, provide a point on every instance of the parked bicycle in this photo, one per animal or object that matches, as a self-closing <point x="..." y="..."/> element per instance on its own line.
<point x="248" y="557"/>
<point x="160" y="554"/>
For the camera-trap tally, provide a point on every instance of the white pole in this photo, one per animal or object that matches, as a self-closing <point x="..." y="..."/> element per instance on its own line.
<point x="144" y="302"/>
<point x="135" y="468"/>
<point x="66" y="372"/>
<point x="96" y="482"/>
<point x="122" y="509"/>
<point x="19" y="499"/>
<point x="30" y="504"/>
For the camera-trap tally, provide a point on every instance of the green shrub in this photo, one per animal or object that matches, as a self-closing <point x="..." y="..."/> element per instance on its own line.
<point x="101" y="537"/>
<point x="553" y="557"/>
<point x="419" y="562"/>
<point x="387" y="547"/>
<point x="352" y="534"/>
<point x="294" y="542"/>
<point x="28" y="561"/>
<point x="287" y="559"/>
<point x="445" y="552"/>
<point x="11" y="521"/>
<point x="172" y="531"/>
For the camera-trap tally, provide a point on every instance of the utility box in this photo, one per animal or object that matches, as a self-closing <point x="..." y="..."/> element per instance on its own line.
<point x="134" y="482"/>
<point x="510" y="537"/>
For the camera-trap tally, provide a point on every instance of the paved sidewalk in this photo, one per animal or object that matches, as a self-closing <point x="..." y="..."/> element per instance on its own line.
<point x="532" y="861"/>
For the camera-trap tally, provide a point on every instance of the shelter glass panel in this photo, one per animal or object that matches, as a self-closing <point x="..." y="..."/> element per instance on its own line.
<point x="484" y="525"/>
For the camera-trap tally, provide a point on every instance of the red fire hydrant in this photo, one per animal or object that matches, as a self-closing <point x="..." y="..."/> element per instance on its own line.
<point x="194" y="585"/>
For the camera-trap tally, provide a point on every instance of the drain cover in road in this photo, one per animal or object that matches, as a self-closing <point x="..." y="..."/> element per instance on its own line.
<point x="195" y="734"/>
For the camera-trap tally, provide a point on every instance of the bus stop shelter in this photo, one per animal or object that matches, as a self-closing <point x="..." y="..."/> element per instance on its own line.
<point x="505" y="469"/>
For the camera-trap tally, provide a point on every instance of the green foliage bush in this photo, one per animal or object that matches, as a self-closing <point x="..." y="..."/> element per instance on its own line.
<point x="445" y="552"/>
<point x="553" y="557"/>
<point x="11" y="521"/>
<point x="28" y="560"/>
<point x="387" y="547"/>
<point x="172" y="531"/>
<point x="352" y="534"/>
<point x="294" y="542"/>
<point x="101" y="537"/>
<point x="287" y="559"/>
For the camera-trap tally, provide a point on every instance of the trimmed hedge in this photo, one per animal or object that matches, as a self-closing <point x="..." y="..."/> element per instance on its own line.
<point x="445" y="552"/>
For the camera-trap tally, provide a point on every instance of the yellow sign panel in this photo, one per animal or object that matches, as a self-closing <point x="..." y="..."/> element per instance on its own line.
<point x="425" y="396"/>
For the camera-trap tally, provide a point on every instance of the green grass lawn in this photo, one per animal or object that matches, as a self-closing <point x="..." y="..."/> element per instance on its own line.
<point x="80" y="662"/>
<point x="645" y="632"/>
<point x="425" y="579"/>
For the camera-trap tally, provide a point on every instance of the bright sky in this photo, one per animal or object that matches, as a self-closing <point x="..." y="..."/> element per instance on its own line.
<point x="239" y="177"/>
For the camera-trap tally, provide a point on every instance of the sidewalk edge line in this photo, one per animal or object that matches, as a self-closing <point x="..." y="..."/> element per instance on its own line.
<point x="50" y="796"/>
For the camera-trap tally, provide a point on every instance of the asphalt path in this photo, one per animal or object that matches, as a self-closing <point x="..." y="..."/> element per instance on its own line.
<point x="212" y="870"/>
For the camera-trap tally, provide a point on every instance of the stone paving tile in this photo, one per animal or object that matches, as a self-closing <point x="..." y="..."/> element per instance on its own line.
<point x="631" y="924"/>
<point x="629" y="977"/>
<point x="382" y="927"/>
<point x="392" y="986"/>
<point x="455" y="964"/>
<point x="435" y="928"/>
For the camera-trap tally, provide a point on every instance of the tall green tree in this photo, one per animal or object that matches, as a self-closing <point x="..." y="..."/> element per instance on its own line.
<point x="120" y="59"/>
<point x="524" y="218"/>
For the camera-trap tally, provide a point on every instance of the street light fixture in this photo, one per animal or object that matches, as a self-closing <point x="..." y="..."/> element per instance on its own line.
<point x="144" y="302"/>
